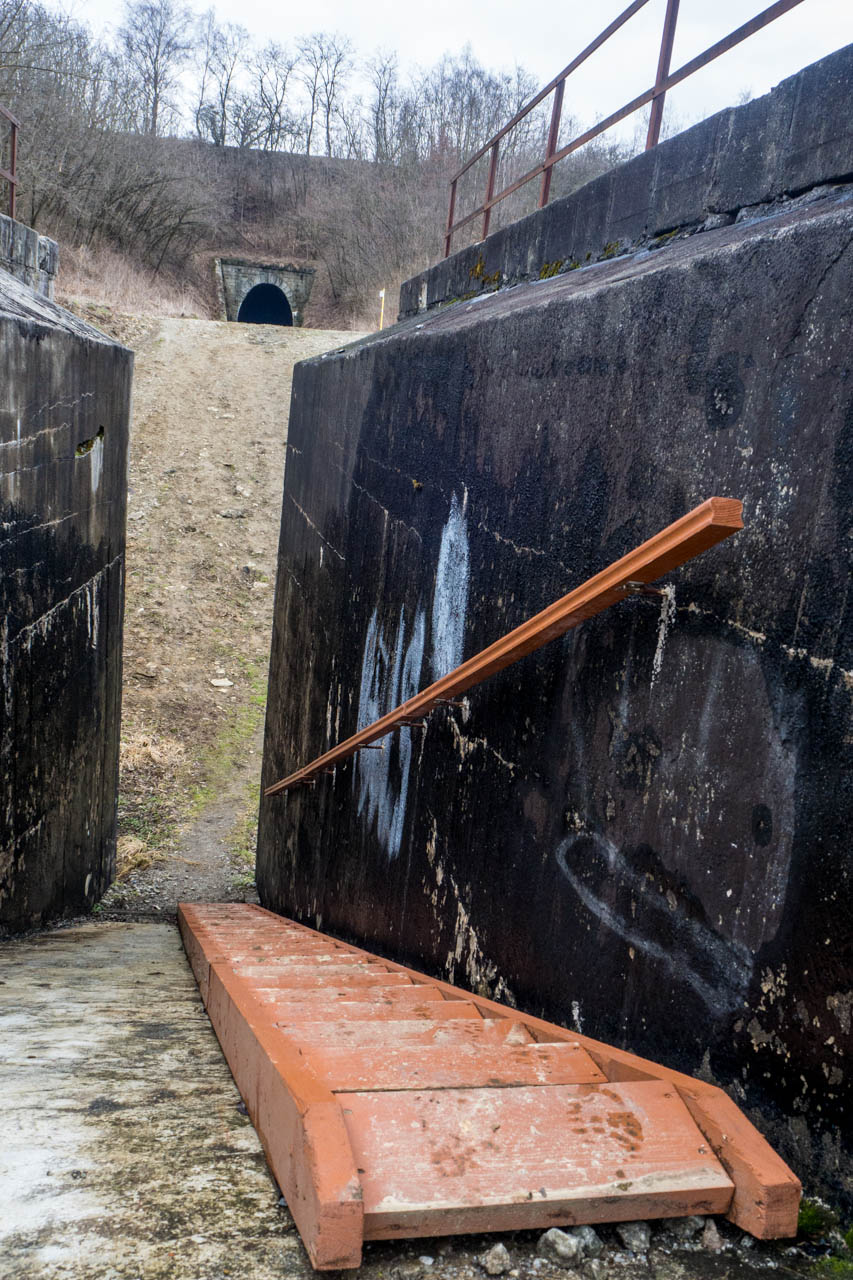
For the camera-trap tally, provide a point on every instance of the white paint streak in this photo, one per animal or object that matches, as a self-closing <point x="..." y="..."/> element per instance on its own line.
<point x="667" y="618"/>
<point x="385" y="683"/>
<point x="450" y="602"/>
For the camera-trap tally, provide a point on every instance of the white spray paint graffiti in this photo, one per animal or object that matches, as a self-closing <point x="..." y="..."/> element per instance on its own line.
<point x="450" y="602"/>
<point x="727" y="964"/>
<point x="667" y="618"/>
<point x="387" y="680"/>
<point x="391" y="673"/>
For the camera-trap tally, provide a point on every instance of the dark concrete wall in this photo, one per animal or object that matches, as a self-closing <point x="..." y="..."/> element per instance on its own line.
<point x="64" y="406"/>
<point x="644" y="830"/>
<point x="28" y="256"/>
<point x="787" y="142"/>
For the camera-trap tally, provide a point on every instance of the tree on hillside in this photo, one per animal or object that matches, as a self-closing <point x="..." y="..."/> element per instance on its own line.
<point x="326" y="63"/>
<point x="222" y="109"/>
<point x="155" y="42"/>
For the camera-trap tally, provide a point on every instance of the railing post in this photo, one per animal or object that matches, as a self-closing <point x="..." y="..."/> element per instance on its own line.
<point x="13" y="169"/>
<point x="448" y="235"/>
<point x="667" y="40"/>
<point x="490" y="188"/>
<point x="553" y="135"/>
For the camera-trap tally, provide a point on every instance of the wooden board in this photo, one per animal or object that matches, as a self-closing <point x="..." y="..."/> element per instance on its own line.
<point x="444" y="1161"/>
<point x="392" y="1104"/>
<point x="431" y="1066"/>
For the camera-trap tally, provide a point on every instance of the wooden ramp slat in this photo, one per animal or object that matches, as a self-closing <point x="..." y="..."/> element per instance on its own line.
<point x="393" y="1031"/>
<point x="431" y="1066"/>
<point x="304" y="998"/>
<point x="390" y="1104"/>
<point x="424" y="1007"/>
<point x="445" y="1161"/>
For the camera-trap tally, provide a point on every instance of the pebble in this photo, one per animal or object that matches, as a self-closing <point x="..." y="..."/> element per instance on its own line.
<point x="560" y="1247"/>
<point x="636" y="1236"/>
<point x="594" y="1269"/>
<point x="684" y="1228"/>
<point x="589" y="1241"/>
<point x="711" y="1239"/>
<point x="497" y="1261"/>
<point x="426" y="1260"/>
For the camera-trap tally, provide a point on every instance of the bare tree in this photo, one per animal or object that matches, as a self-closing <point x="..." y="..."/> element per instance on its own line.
<point x="326" y="62"/>
<point x="273" y="68"/>
<point x="224" y="52"/>
<point x="154" y="39"/>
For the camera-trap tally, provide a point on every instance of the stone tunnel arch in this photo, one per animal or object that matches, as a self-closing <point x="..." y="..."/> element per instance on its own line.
<point x="265" y="304"/>
<point x="242" y="286"/>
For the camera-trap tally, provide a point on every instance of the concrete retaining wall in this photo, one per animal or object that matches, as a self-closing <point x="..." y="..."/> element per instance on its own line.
<point x="642" y="831"/>
<point x="64" y="408"/>
<point x="29" y="257"/>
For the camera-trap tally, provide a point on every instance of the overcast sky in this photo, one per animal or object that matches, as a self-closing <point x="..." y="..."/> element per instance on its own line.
<point x="544" y="35"/>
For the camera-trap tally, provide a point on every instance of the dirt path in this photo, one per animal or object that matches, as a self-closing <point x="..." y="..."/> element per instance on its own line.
<point x="207" y="462"/>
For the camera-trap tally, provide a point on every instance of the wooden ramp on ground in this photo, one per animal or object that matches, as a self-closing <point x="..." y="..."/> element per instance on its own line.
<point x="394" y="1105"/>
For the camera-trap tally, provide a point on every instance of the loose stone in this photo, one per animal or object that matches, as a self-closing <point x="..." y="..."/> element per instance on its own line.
<point x="590" y="1242"/>
<point x="711" y="1239"/>
<point x="497" y="1261"/>
<point x="635" y="1236"/>
<point x="560" y="1247"/>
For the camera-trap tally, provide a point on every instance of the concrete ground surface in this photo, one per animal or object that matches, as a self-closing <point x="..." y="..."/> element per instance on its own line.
<point x="126" y="1153"/>
<point x="125" y="1150"/>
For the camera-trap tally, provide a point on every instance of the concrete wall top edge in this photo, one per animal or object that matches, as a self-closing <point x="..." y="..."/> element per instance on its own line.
<point x="589" y="279"/>
<point x="796" y="137"/>
<point x="19" y="301"/>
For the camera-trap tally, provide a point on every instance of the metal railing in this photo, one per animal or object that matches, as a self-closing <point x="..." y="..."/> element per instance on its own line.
<point x="10" y="175"/>
<point x="664" y="80"/>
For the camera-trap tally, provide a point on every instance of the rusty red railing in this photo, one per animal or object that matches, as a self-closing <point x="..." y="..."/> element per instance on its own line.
<point x="664" y="80"/>
<point x="10" y="175"/>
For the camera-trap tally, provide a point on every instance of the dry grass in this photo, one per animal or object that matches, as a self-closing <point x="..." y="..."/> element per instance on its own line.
<point x="104" y="277"/>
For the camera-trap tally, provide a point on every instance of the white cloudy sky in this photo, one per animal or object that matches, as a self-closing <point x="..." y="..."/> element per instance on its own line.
<point x="543" y="35"/>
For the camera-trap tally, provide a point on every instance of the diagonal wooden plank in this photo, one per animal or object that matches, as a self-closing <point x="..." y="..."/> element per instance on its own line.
<point x="703" y="527"/>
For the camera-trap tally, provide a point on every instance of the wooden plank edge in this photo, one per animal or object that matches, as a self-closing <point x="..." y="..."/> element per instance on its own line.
<point x="767" y="1192"/>
<point x="528" y="1215"/>
<point x="298" y="1120"/>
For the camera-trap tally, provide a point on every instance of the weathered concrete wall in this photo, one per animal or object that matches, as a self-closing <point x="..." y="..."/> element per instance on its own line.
<point x="239" y="277"/>
<point x="29" y="257"/>
<point x="643" y="830"/>
<point x="64" y="407"/>
<point x="789" y="141"/>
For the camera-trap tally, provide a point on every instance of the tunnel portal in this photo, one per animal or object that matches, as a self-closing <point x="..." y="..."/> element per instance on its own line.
<point x="265" y="304"/>
<point x="263" y="293"/>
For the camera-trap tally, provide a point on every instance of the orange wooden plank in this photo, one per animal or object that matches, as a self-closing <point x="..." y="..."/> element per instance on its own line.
<point x="392" y="1031"/>
<point x="356" y="1010"/>
<point x="438" y="1162"/>
<point x="766" y="1191"/>
<point x="498" y="1065"/>
<point x="310" y="977"/>
<point x="767" y="1197"/>
<point x="322" y="999"/>
<point x="699" y="529"/>
<point x="297" y="1118"/>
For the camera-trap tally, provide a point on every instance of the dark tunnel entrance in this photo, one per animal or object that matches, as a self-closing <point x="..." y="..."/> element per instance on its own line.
<point x="265" y="304"/>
